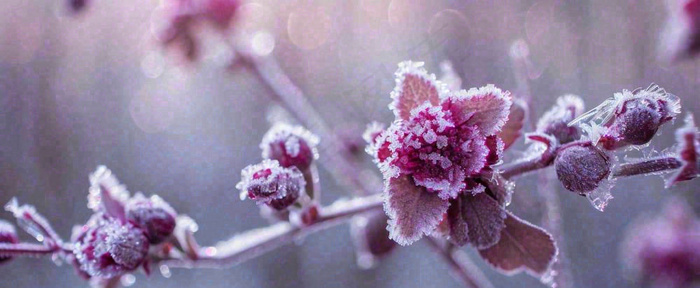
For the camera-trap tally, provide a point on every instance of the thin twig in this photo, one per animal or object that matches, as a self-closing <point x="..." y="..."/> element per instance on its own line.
<point x="256" y="242"/>
<point x="647" y="166"/>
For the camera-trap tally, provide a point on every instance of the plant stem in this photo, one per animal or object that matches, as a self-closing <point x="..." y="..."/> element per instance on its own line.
<point x="463" y="269"/>
<point x="27" y="249"/>
<point x="647" y="166"/>
<point x="256" y="242"/>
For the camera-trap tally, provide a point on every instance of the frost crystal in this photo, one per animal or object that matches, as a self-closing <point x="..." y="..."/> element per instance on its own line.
<point x="439" y="141"/>
<point x="106" y="194"/>
<point x="630" y="118"/>
<point x="555" y="121"/>
<point x="269" y="183"/>
<point x="109" y="248"/>
<point x="290" y="145"/>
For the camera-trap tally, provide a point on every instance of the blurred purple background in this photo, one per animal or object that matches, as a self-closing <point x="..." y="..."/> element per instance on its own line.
<point x="76" y="92"/>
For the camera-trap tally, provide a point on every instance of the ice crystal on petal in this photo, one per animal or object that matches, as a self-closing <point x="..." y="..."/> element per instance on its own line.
<point x="522" y="246"/>
<point x="106" y="193"/>
<point x="414" y="86"/>
<point x="290" y="145"/>
<point x="413" y="211"/>
<point x="486" y="107"/>
<point x="271" y="184"/>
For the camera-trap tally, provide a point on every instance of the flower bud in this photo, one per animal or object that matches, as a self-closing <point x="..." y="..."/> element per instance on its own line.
<point x="555" y="121"/>
<point x="8" y="234"/>
<point x="153" y="215"/>
<point x="371" y="238"/>
<point x="109" y="248"/>
<point x="290" y="145"/>
<point x="269" y="183"/>
<point x="582" y="168"/>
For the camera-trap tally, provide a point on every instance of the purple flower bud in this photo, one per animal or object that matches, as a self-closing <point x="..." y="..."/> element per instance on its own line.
<point x="581" y="168"/>
<point x="8" y="234"/>
<point x="109" y="248"/>
<point x="153" y="215"/>
<point x="269" y="183"/>
<point x="77" y="5"/>
<point x="555" y="121"/>
<point x="290" y="145"/>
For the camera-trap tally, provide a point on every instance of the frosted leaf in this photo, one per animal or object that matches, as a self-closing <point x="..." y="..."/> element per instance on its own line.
<point x="449" y="76"/>
<point x="412" y="211"/>
<point x="458" y="231"/>
<point x="484" y="217"/>
<point x="106" y="194"/>
<point x="522" y="247"/>
<point x="486" y="107"/>
<point x="687" y="152"/>
<point x="414" y="87"/>
<point x="511" y="131"/>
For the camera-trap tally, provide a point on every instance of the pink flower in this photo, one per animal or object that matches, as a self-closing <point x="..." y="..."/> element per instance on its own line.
<point x="437" y="147"/>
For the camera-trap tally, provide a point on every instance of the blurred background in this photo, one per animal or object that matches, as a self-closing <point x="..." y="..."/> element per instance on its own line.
<point x="95" y="88"/>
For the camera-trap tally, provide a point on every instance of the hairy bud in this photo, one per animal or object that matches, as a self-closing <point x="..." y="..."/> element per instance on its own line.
<point x="109" y="248"/>
<point x="290" y="145"/>
<point x="153" y="215"/>
<point x="8" y="234"/>
<point x="582" y="168"/>
<point x="269" y="183"/>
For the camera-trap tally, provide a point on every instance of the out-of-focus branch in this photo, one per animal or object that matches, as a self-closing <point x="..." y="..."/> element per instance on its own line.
<point x="461" y="267"/>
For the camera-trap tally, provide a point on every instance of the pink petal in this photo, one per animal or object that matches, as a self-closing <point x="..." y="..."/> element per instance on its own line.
<point x="511" y="131"/>
<point x="487" y="107"/>
<point x="414" y="86"/>
<point x="412" y="210"/>
<point x="523" y="246"/>
<point x="484" y="217"/>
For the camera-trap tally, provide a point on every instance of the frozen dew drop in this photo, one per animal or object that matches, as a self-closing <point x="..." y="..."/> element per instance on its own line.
<point x="210" y="251"/>
<point x="366" y="261"/>
<point x="127" y="280"/>
<point x="39" y="238"/>
<point x="165" y="271"/>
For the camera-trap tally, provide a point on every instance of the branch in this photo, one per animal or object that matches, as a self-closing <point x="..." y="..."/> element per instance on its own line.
<point x="648" y="166"/>
<point x="259" y="241"/>
<point x="463" y="269"/>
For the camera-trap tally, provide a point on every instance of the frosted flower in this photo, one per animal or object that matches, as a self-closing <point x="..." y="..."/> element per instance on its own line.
<point x="630" y="118"/>
<point x="439" y="141"/>
<point x="269" y="183"/>
<point x="153" y="215"/>
<point x="664" y="251"/>
<point x="555" y="121"/>
<point x="8" y="234"/>
<point x="290" y="146"/>
<point x="109" y="248"/>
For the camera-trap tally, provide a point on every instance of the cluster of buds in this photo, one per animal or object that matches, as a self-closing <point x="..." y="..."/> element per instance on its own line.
<point x="117" y="237"/>
<point x="287" y="176"/>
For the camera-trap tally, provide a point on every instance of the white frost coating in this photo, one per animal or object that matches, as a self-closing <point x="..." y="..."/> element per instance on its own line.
<point x="290" y="136"/>
<point x="282" y="180"/>
<point x="600" y="197"/>
<point x="604" y="112"/>
<point x="415" y="69"/>
<point x="566" y="108"/>
<point x="27" y="218"/>
<point x="103" y="177"/>
<point x="373" y="130"/>
<point x="593" y="132"/>
<point x="486" y="107"/>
